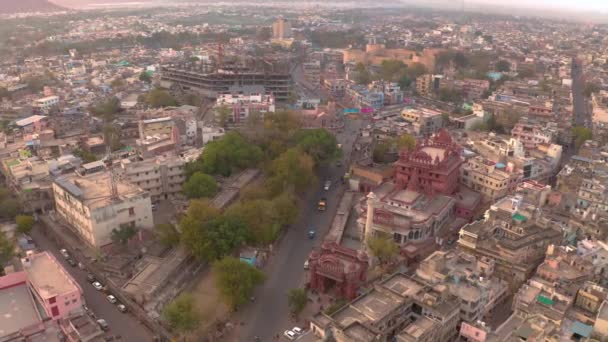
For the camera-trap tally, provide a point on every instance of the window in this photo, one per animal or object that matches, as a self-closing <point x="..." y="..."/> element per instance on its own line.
<point x="52" y="300"/>
<point x="131" y="211"/>
<point x="54" y="311"/>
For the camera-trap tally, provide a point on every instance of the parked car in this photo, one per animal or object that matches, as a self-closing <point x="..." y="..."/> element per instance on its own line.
<point x="90" y="278"/>
<point x="306" y="264"/>
<point x="296" y="330"/>
<point x="65" y="253"/>
<point x="290" y="334"/>
<point x="111" y="299"/>
<point x="121" y="308"/>
<point x="72" y="262"/>
<point x="103" y="324"/>
<point x="97" y="285"/>
<point x="327" y="185"/>
<point x="81" y="266"/>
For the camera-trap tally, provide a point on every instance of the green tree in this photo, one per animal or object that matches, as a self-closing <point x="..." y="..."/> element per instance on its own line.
<point x="414" y="70"/>
<point x="86" y="156"/>
<point x="117" y="83"/>
<point x="503" y="66"/>
<point x="461" y="60"/>
<point x="9" y="208"/>
<point x="167" y="234"/>
<point x="392" y="70"/>
<point x="590" y="88"/>
<point x="296" y="299"/>
<point x="383" y="248"/>
<point x="200" y="185"/>
<point x="191" y="100"/>
<point x="111" y="135"/>
<point x="363" y="76"/>
<point x="212" y="239"/>
<point x="107" y="108"/>
<point x="380" y="151"/>
<point x="406" y="141"/>
<point x="321" y="145"/>
<point x="123" y="234"/>
<point x="230" y="153"/>
<point x="4" y="92"/>
<point x="181" y="314"/>
<point x="24" y="223"/>
<point x="581" y="134"/>
<point x="285" y="209"/>
<point x="7" y="250"/>
<point x="145" y="77"/>
<point x="222" y="115"/>
<point x="293" y="170"/>
<point x="158" y="98"/>
<point x="236" y="280"/>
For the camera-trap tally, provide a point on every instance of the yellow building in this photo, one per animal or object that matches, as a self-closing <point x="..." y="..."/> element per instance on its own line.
<point x="490" y="179"/>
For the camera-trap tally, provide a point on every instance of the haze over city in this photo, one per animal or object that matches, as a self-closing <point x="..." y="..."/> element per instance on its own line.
<point x="349" y="171"/>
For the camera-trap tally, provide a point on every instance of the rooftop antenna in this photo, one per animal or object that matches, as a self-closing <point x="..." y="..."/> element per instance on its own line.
<point x="110" y="165"/>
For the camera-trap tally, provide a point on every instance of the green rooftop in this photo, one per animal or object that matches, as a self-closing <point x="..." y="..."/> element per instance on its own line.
<point x="544" y="300"/>
<point x="519" y="217"/>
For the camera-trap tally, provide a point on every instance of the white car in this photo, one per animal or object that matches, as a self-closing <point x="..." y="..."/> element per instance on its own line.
<point x="297" y="330"/>
<point x="64" y="252"/>
<point x="290" y="334"/>
<point x="111" y="299"/>
<point x="306" y="264"/>
<point x="327" y="185"/>
<point x="97" y="285"/>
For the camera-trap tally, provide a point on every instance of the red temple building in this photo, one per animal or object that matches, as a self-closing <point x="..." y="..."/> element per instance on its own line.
<point x="337" y="268"/>
<point x="432" y="167"/>
<point x="424" y="204"/>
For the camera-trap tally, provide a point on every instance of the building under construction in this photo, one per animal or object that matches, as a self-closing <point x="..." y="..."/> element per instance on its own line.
<point x="255" y="75"/>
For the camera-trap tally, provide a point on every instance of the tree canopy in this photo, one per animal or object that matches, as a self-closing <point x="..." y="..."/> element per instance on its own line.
<point x="9" y="208"/>
<point x="159" y="98"/>
<point x="297" y="299"/>
<point x="24" y="223"/>
<point x="363" y="75"/>
<point x="503" y="66"/>
<point x="123" y="234"/>
<point x="208" y="235"/>
<point x="7" y="250"/>
<point x="405" y="141"/>
<point x="167" y="234"/>
<point x="292" y="170"/>
<point x="107" y="108"/>
<point x="181" y="314"/>
<point x="226" y="155"/>
<point x="581" y="134"/>
<point x="236" y="280"/>
<point x="145" y="77"/>
<point x="200" y="185"/>
<point x="385" y="249"/>
<point x="318" y="143"/>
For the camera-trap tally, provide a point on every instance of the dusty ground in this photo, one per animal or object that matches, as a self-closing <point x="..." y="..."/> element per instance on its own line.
<point x="208" y="303"/>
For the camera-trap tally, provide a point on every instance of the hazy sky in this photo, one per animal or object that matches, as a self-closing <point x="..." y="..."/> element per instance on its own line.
<point x="586" y="5"/>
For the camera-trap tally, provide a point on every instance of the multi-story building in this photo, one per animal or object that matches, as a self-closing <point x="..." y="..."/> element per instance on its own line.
<point x="45" y="104"/>
<point x="474" y="89"/>
<point x="423" y="202"/>
<point x="41" y="302"/>
<point x="33" y="124"/>
<point x="162" y="177"/>
<point x="281" y="29"/>
<point x="425" y="121"/>
<point x="424" y="85"/>
<point x="274" y="79"/>
<point x="30" y="180"/>
<point x="466" y="277"/>
<point x="399" y="308"/>
<point x="52" y="286"/>
<point x="87" y="204"/>
<point x="244" y="106"/>
<point x="513" y="235"/>
<point x="492" y="180"/>
<point x="600" y="107"/>
<point x="532" y="135"/>
<point x="312" y="72"/>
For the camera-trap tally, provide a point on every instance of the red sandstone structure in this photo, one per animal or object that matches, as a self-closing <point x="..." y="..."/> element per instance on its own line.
<point x="337" y="267"/>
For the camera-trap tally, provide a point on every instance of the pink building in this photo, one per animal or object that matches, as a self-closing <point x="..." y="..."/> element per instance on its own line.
<point x="53" y="288"/>
<point x="473" y="333"/>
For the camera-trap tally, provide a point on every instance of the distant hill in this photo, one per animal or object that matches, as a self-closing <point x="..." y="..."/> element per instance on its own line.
<point x="20" y="6"/>
<point x="94" y="3"/>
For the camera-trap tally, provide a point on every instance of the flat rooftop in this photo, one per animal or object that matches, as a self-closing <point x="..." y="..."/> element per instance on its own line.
<point x="94" y="189"/>
<point x="48" y="277"/>
<point x="17" y="309"/>
<point x="403" y="285"/>
<point x="372" y="307"/>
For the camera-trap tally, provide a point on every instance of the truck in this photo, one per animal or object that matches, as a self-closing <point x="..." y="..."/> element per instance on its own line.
<point x="322" y="204"/>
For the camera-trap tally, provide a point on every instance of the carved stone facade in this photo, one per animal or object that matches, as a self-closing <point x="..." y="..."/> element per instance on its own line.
<point x="432" y="167"/>
<point x="335" y="266"/>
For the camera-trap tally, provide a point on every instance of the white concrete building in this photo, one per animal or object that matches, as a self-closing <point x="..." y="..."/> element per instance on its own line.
<point x="46" y="103"/>
<point x="86" y="204"/>
<point x="162" y="177"/>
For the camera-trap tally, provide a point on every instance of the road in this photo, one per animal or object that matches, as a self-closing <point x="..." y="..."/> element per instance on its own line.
<point x="122" y="324"/>
<point x="269" y="314"/>
<point x="581" y="115"/>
